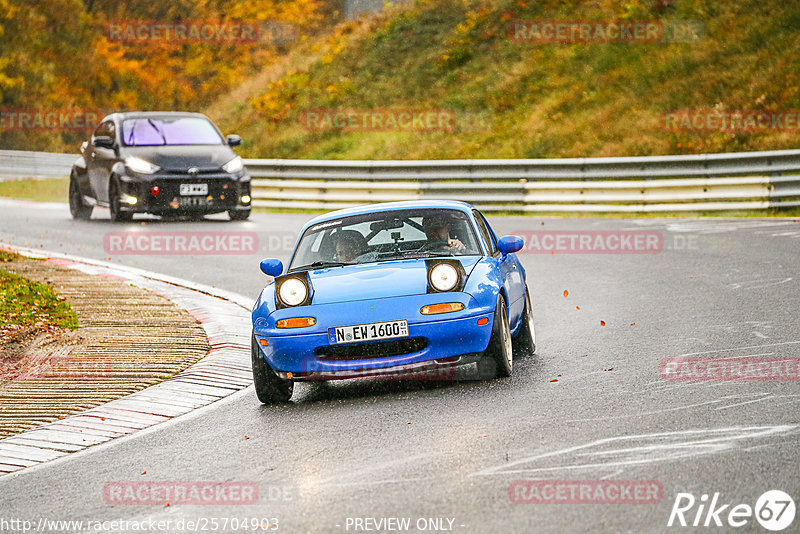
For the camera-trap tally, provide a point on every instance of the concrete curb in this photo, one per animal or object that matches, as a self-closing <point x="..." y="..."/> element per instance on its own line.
<point x="224" y="316"/>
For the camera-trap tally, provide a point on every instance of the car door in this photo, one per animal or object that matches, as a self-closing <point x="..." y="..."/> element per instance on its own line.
<point x="509" y="269"/>
<point x="101" y="160"/>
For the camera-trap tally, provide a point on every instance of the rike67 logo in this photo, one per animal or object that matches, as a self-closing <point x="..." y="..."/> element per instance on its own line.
<point x="774" y="510"/>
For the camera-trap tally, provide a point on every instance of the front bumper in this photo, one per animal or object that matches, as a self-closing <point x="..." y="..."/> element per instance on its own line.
<point x="435" y="345"/>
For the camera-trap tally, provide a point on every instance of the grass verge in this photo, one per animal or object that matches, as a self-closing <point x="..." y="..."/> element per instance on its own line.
<point x="47" y="190"/>
<point x="24" y="302"/>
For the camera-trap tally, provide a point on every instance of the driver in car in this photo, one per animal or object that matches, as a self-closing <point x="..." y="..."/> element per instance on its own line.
<point x="350" y="244"/>
<point x="437" y="229"/>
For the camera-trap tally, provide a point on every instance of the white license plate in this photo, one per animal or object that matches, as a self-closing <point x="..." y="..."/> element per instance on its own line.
<point x="193" y="202"/>
<point x="368" y="332"/>
<point x="194" y="189"/>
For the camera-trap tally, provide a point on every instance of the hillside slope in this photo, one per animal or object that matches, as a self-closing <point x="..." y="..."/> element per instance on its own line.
<point x="512" y="99"/>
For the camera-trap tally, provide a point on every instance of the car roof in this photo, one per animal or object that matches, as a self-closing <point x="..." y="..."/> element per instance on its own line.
<point x="137" y="114"/>
<point x="391" y="206"/>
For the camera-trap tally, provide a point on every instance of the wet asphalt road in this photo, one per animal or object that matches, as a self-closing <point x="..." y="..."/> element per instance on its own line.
<point x="343" y="457"/>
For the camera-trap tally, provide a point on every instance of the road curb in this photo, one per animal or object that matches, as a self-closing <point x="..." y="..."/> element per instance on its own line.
<point x="225" y="370"/>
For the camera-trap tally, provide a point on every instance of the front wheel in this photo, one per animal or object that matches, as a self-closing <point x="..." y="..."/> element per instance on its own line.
<point x="497" y="360"/>
<point x="526" y="337"/>
<point x="238" y="215"/>
<point x="77" y="208"/>
<point x="114" y="204"/>
<point x="270" y="388"/>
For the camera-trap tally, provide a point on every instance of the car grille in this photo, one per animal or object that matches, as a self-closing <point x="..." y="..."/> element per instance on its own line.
<point x="375" y="349"/>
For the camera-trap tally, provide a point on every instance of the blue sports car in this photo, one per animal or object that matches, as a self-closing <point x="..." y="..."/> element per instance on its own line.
<point x="407" y="289"/>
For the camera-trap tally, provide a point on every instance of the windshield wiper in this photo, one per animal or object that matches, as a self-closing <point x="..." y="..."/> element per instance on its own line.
<point x="158" y="130"/>
<point x="324" y="265"/>
<point x="425" y="253"/>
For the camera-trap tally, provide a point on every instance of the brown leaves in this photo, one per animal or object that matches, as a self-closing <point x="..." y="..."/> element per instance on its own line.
<point x="602" y="323"/>
<point x="566" y="293"/>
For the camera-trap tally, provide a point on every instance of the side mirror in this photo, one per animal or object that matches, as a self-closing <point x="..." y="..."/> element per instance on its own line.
<point x="509" y="244"/>
<point x="234" y="140"/>
<point x="272" y="267"/>
<point x="103" y="141"/>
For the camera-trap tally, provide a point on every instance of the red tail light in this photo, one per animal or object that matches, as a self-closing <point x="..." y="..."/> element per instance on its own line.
<point x="154" y="190"/>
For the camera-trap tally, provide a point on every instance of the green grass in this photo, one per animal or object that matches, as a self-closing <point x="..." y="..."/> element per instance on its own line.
<point x="49" y="190"/>
<point x="767" y="213"/>
<point x="55" y="191"/>
<point x="24" y="302"/>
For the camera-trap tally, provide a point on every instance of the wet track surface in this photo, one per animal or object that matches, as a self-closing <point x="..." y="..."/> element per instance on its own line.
<point x="417" y="450"/>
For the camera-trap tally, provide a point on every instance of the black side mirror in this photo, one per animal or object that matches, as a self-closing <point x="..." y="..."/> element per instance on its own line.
<point x="234" y="140"/>
<point x="103" y="141"/>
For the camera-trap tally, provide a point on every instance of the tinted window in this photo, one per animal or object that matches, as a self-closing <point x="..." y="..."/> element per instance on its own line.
<point x="105" y="129"/>
<point x="152" y="131"/>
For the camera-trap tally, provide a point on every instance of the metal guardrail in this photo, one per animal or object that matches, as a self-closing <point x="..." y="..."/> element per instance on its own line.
<point x="16" y="164"/>
<point x="706" y="182"/>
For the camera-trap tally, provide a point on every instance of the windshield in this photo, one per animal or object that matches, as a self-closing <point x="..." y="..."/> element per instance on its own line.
<point x="151" y="131"/>
<point x="383" y="236"/>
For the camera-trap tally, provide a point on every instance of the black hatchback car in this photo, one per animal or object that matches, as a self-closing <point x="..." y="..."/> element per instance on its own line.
<point x="164" y="163"/>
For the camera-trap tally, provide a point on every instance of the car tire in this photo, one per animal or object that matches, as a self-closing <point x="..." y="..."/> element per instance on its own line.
<point x="497" y="360"/>
<point x="77" y="208"/>
<point x="526" y="337"/>
<point x="270" y="388"/>
<point x="113" y="204"/>
<point x="239" y="215"/>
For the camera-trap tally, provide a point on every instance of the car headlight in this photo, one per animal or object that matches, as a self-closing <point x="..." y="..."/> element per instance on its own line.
<point x="292" y="291"/>
<point x="233" y="166"/>
<point x="141" y="166"/>
<point x="443" y="277"/>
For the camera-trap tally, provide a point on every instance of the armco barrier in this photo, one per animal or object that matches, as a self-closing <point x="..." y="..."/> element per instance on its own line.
<point x="21" y="164"/>
<point x="705" y="182"/>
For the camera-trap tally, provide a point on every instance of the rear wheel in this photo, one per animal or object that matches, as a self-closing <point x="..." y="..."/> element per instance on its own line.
<point x="238" y="215"/>
<point x="114" y="204"/>
<point x="270" y="388"/>
<point x="526" y="337"/>
<point x="497" y="360"/>
<point x="77" y="208"/>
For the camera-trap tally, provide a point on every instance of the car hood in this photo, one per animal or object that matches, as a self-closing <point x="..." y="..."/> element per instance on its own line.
<point x="375" y="280"/>
<point x="175" y="158"/>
